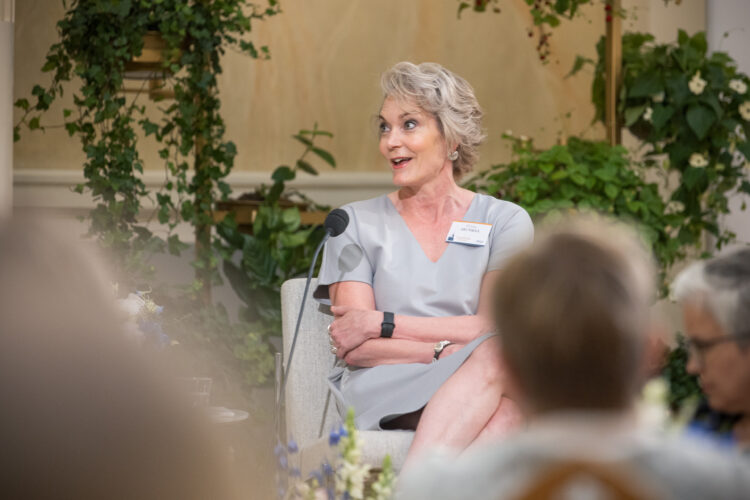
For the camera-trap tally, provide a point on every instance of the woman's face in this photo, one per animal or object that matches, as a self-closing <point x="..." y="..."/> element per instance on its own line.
<point x="412" y="143"/>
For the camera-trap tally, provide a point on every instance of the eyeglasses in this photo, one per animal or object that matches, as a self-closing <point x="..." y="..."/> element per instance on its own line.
<point x="698" y="348"/>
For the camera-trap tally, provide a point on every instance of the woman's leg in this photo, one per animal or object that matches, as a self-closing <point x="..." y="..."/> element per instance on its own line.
<point x="460" y="410"/>
<point x="506" y="419"/>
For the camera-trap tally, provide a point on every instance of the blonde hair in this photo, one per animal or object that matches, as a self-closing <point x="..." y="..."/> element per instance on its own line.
<point x="573" y="313"/>
<point x="446" y="96"/>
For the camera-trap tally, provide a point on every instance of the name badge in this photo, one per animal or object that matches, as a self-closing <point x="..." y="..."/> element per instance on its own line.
<point x="469" y="233"/>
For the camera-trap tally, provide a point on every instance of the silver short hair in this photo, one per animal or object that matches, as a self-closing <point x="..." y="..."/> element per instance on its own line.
<point x="722" y="286"/>
<point x="449" y="98"/>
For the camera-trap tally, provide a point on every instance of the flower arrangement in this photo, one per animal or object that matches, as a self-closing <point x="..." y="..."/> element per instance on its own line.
<point x="142" y="321"/>
<point x="346" y="479"/>
<point x="692" y="110"/>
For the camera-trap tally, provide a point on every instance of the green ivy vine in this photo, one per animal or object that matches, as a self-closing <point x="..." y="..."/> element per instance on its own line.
<point x="97" y="39"/>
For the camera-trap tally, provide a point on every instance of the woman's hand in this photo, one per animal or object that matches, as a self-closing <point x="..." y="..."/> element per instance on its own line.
<point x="352" y="327"/>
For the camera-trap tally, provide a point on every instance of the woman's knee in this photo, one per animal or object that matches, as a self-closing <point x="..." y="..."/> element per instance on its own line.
<point x="486" y="363"/>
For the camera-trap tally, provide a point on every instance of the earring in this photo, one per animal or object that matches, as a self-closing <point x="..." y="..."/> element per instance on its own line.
<point x="453" y="156"/>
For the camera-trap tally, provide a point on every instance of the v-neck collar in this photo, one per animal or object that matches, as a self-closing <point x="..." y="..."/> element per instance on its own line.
<point x="414" y="238"/>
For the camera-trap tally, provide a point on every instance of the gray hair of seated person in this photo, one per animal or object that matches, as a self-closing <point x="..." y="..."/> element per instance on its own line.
<point x="573" y="314"/>
<point x="449" y="98"/>
<point x="722" y="287"/>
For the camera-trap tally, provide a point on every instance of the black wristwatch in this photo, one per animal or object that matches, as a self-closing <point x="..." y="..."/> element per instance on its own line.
<point x="439" y="347"/>
<point x="387" y="326"/>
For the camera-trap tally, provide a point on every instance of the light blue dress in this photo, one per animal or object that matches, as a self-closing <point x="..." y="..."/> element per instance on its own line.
<point x="378" y="248"/>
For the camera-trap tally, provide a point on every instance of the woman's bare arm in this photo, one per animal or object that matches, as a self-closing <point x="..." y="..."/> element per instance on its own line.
<point x="357" y="322"/>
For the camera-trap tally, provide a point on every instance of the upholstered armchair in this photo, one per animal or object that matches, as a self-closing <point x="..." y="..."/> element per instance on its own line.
<point x="311" y="411"/>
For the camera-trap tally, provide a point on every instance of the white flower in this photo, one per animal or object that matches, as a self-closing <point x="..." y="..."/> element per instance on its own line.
<point x="647" y="114"/>
<point x="132" y="305"/>
<point x="523" y="138"/>
<point x="675" y="206"/>
<point x="697" y="160"/>
<point x="652" y="408"/>
<point x="738" y="86"/>
<point x="745" y="111"/>
<point x="657" y="98"/>
<point x="508" y="132"/>
<point x="697" y="84"/>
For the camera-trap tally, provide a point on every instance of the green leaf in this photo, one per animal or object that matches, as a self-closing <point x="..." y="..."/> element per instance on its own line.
<point x="306" y="167"/>
<point x="611" y="191"/>
<point x="700" y="118"/>
<point x="22" y="103"/>
<point x="303" y="140"/>
<point x="461" y="7"/>
<point x="316" y="132"/>
<point x="578" y="65"/>
<point x="633" y="114"/>
<point x="283" y="174"/>
<point x="325" y="156"/>
<point x="744" y="148"/>
<point x="692" y="176"/>
<point x="149" y="127"/>
<point x="661" y="116"/>
<point x="646" y="86"/>
<point x="34" y="123"/>
<point x="290" y="218"/>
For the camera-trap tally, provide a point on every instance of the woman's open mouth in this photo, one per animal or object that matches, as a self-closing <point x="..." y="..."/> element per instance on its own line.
<point x="400" y="161"/>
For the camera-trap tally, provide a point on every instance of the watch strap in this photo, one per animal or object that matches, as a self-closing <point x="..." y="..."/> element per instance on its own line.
<point x="387" y="326"/>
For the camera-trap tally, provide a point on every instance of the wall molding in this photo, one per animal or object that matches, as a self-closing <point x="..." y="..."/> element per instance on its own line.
<point x="51" y="189"/>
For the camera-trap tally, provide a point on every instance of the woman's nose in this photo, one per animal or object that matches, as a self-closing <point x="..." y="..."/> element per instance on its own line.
<point x="393" y="139"/>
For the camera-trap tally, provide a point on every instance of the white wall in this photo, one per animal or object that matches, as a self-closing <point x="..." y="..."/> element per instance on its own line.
<point x="6" y="107"/>
<point x="732" y="17"/>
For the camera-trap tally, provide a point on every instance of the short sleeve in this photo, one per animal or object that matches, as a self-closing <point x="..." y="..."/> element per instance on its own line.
<point x="344" y="259"/>
<point x="510" y="236"/>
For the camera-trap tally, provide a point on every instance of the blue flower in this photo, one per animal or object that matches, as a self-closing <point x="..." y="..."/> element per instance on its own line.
<point x="278" y="450"/>
<point x="327" y="469"/>
<point x="331" y="494"/>
<point x="333" y="438"/>
<point x="292" y="446"/>
<point x="342" y="432"/>
<point x="283" y="462"/>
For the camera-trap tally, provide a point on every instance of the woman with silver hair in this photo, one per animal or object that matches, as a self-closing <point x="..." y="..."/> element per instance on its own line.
<point x="715" y="299"/>
<point x="409" y="279"/>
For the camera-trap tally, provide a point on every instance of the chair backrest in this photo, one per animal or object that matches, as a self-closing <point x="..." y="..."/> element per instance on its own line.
<point x="306" y="389"/>
<point x="575" y="479"/>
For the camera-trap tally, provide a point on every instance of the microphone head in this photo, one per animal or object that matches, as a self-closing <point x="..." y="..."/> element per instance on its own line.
<point x="336" y="222"/>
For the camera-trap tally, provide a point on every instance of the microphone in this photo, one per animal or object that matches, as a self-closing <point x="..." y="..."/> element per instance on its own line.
<point x="335" y="224"/>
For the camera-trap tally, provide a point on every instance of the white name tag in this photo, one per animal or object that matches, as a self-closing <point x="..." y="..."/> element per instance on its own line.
<point x="469" y="233"/>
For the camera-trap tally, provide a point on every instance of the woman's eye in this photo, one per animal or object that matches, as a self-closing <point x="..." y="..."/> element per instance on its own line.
<point x="410" y="124"/>
<point x="383" y="127"/>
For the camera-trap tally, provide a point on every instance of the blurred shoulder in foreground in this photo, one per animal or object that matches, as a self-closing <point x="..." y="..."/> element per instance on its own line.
<point x="85" y="416"/>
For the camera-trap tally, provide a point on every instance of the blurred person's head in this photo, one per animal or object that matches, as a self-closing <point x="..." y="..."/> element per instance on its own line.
<point x="573" y="315"/>
<point x="84" y="416"/>
<point x="715" y="299"/>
